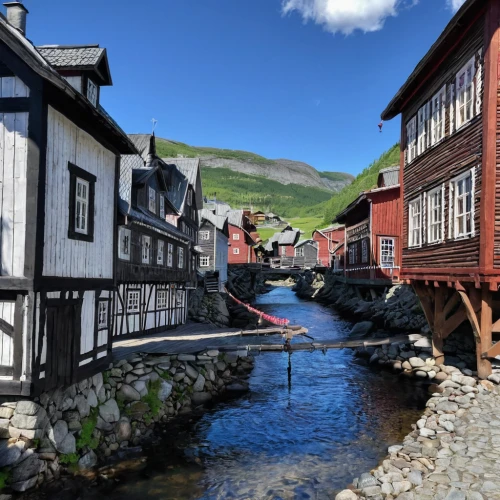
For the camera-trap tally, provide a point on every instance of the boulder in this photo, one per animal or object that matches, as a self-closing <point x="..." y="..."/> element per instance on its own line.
<point x="123" y="430"/>
<point x="97" y="381"/>
<point x="9" y="453"/>
<point x="88" y="461"/>
<point x="165" y="390"/>
<point x="346" y="495"/>
<point x="27" y="408"/>
<point x="68" y="444"/>
<point x="199" y="384"/>
<point x="82" y="405"/>
<point x="92" y="399"/>
<point x="128" y="393"/>
<point x="27" y="469"/>
<point x="416" y="362"/>
<point x="58" y="433"/>
<point x="362" y="328"/>
<point x="109" y="411"/>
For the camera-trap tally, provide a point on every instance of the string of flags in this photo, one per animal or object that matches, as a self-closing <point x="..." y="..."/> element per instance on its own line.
<point x="272" y="319"/>
<point x="351" y="269"/>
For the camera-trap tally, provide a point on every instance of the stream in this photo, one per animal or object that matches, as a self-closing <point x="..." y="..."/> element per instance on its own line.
<point x="307" y="438"/>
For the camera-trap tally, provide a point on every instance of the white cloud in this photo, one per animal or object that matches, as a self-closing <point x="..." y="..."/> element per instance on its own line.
<point x="455" y="4"/>
<point x="345" y="16"/>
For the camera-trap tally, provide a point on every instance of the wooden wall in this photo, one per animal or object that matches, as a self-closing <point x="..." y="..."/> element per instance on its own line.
<point x="221" y="251"/>
<point x="13" y="162"/>
<point x="65" y="257"/>
<point x="208" y="246"/>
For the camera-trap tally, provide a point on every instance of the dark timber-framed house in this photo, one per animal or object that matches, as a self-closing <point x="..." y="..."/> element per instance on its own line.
<point x="59" y="189"/>
<point x="155" y="267"/>
<point x="450" y="179"/>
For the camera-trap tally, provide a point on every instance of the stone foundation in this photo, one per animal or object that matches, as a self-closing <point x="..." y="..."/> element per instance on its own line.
<point x="81" y="425"/>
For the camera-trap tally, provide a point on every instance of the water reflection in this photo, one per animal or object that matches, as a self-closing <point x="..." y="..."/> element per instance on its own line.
<point x="303" y="437"/>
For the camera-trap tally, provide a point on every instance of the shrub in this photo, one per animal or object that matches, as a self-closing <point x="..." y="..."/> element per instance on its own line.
<point x="4" y="478"/>
<point x="151" y="398"/>
<point x="88" y="426"/>
<point x="69" y="459"/>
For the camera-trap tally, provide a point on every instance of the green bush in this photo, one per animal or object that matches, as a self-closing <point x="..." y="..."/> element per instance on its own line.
<point x="85" y="438"/>
<point x="152" y="399"/>
<point x="4" y="478"/>
<point x="69" y="459"/>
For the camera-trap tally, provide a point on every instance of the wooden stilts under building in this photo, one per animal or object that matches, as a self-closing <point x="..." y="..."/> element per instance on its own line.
<point x="450" y="180"/>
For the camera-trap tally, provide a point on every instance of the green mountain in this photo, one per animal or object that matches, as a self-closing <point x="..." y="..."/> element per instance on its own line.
<point x="365" y="180"/>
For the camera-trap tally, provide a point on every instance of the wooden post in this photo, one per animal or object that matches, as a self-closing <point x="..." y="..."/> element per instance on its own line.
<point x="437" y="334"/>
<point x="484" y="365"/>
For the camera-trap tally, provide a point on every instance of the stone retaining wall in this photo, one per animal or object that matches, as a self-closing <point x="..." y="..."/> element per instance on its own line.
<point x="81" y="425"/>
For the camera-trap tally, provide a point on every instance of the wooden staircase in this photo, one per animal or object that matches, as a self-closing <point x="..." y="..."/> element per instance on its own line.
<point x="212" y="284"/>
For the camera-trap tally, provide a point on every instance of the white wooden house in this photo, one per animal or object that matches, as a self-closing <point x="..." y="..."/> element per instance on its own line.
<point x="59" y="154"/>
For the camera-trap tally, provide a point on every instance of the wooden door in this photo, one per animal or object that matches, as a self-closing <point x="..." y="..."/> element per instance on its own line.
<point x="63" y="343"/>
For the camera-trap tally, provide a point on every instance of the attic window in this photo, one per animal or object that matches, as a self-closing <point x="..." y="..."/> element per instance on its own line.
<point x="190" y="198"/>
<point x="92" y="92"/>
<point x="81" y="204"/>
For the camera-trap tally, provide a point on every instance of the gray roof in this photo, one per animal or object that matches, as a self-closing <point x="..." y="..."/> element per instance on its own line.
<point x="141" y="142"/>
<point x="303" y="242"/>
<point x="190" y="168"/>
<point x="235" y="217"/>
<point x="219" y="221"/>
<point x="61" y="56"/>
<point x="288" y="237"/>
<point x="142" y="216"/>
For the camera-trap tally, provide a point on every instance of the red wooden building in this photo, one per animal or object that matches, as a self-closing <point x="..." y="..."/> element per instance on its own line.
<point x="450" y="179"/>
<point x="372" y="233"/>
<point x="242" y="238"/>
<point x="328" y="241"/>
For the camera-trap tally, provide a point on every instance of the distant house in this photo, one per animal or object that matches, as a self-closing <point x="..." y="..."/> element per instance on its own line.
<point x="213" y="242"/>
<point x="258" y="218"/>
<point x="242" y="238"/>
<point x="328" y="240"/>
<point x="282" y="244"/>
<point x="308" y="250"/>
<point x="372" y="233"/>
<point x="273" y="218"/>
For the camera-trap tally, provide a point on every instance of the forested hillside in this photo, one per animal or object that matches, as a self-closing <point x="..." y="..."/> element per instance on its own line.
<point x="365" y="180"/>
<point x="242" y="190"/>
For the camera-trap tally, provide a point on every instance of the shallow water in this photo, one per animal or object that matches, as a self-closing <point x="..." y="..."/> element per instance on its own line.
<point x="304" y="439"/>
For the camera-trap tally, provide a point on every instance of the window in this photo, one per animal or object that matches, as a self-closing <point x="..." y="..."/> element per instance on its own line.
<point x="462" y="203"/>
<point x="190" y="197"/>
<point x="438" y="116"/>
<point x="180" y="258"/>
<point x="236" y="251"/>
<point x="162" y="207"/>
<point x="102" y="314"/>
<point x="283" y="251"/>
<point x="146" y="249"/>
<point x="299" y="252"/>
<point x="465" y="94"/>
<point x="204" y="235"/>
<point x="423" y="126"/>
<point x="152" y="200"/>
<point x="170" y="255"/>
<point x="133" y="301"/>
<point x="411" y="140"/>
<point x="162" y="299"/>
<point x="92" y="92"/>
<point x="364" y="251"/>
<point x="159" y="255"/>
<point x="435" y="215"/>
<point x="124" y="243"/>
<point x="236" y="237"/>
<point x="81" y="204"/>
<point x="415" y="223"/>
<point x="204" y="260"/>
<point x="353" y="253"/>
<point x="387" y="252"/>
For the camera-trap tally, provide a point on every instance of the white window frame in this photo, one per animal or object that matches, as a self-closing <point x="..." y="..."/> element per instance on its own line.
<point x="204" y="260"/>
<point x="413" y="232"/>
<point x="82" y="202"/>
<point x="423" y="128"/>
<point x="411" y="139"/>
<point x="103" y="314"/>
<point x="91" y="86"/>
<point x="162" y="299"/>
<point x="204" y="235"/>
<point x="438" y="116"/>
<point x="124" y="236"/>
<point x="283" y="250"/>
<point x="353" y="253"/>
<point x="454" y="203"/>
<point x="468" y="72"/>
<point x="146" y="249"/>
<point x="162" y="206"/>
<point x="160" y="252"/>
<point x="432" y="210"/>
<point x="236" y="251"/>
<point x="133" y="301"/>
<point x="364" y="251"/>
<point x="151" y="199"/>
<point x="170" y="255"/>
<point x="387" y="252"/>
<point x="299" y="252"/>
<point x="236" y="237"/>
<point x="180" y="258"/>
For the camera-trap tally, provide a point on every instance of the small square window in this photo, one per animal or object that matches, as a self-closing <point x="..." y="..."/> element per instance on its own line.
<point x="236" y="237"/>
<point x="133" y="301"/>
<point x="162" y="299"/>
<point x="204" y="235"/>
<point x="204" y="261"/>
<point x="236" y="251"/>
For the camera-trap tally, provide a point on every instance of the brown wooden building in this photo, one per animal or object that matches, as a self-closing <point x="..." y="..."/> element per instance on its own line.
<point x="450" y="179"/>
<point x="372" y="233"/>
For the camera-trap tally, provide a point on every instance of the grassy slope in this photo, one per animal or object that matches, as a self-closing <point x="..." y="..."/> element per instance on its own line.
<point x="365" y="180"/>
<point x="336" y="176"/>
<point x="242" y="190"/>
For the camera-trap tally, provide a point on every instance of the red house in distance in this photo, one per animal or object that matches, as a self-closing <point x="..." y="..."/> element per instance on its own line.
<point x="328" y="239"/>
<point x="242" y="238"/>
<point x="372" y="224"/>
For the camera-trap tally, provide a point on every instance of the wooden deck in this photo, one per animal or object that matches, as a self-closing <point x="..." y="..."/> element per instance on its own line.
<point x="195" y="337"/>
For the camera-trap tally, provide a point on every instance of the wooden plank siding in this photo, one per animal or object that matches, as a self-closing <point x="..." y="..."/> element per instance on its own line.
<point x="496" y="248"/>
<point x="456" y="153"/>
<point x="207" y="246"/>
<point x="64" y="257"/>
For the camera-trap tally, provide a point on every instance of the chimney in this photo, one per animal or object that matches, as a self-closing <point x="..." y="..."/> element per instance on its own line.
<point x="16" y="15"/>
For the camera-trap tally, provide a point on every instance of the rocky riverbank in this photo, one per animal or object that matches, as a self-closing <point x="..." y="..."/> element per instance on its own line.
<point x="78" y="427"/>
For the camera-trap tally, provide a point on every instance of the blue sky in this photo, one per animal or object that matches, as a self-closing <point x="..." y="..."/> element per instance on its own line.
<point x="298" y="79"/>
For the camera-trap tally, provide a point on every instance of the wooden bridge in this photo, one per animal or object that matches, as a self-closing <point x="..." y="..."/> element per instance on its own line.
<point x="194" y="338"/>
